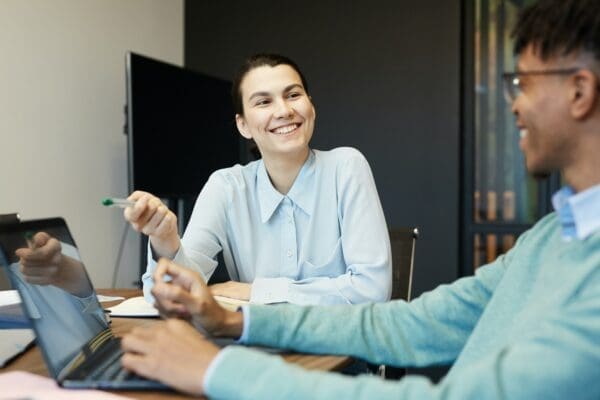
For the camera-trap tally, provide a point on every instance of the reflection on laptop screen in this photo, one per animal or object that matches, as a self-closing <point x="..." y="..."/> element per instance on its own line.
<point x="44" y="265"/>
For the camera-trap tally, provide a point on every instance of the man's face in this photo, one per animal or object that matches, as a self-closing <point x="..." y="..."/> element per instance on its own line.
<point x="542" y="114"/>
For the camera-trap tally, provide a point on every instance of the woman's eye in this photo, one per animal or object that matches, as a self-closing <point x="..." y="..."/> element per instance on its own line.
<point x="262" y="102"/>
<point x="293" y="95"/>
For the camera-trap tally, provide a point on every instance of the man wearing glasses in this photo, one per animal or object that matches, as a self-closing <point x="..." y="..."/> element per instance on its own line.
<point x="526" y="326"/>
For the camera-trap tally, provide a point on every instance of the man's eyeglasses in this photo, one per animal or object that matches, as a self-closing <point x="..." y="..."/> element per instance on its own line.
<point x="512" y="80"/>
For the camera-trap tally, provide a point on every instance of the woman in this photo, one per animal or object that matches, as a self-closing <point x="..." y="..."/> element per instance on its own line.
<point x="299" y="225"/>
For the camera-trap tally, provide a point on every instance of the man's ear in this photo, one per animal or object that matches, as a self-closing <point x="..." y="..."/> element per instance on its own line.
<point x="242" y="127"/>
<point x="584" y="93"/>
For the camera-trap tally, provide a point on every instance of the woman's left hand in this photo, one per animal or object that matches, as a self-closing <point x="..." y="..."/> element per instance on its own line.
<point x="232" y="289"/>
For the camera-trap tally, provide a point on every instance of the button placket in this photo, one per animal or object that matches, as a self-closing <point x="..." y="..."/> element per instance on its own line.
<point x="288" y="239"/>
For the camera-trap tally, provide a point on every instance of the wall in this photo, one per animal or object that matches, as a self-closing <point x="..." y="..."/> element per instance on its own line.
<point x="385" y="78"/>
<point x="62" y="80"/>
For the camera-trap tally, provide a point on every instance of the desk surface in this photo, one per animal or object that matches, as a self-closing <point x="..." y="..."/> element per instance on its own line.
<point x="31" y="360"/>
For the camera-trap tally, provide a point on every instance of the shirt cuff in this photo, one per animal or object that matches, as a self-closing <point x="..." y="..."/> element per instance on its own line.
<point x="270" y="290"/>
<point x="246" y="328"/>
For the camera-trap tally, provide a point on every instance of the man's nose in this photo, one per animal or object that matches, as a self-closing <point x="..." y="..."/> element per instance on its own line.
<point x="513" y="107"/>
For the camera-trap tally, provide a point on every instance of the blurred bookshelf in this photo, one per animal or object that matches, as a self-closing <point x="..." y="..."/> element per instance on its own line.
<point x="499" y="199"/>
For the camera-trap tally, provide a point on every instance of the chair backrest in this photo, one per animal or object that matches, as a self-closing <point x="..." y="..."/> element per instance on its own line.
<point x="403" y="242"/>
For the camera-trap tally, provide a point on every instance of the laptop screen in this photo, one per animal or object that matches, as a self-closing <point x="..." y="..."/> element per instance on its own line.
<point x="44" y="265"/>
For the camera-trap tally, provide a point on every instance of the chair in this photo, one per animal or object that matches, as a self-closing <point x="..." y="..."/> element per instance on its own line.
<point x="403" y="241"/>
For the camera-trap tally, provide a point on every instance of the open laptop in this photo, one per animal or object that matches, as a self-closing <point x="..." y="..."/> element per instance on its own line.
<point x="71" y="328"/>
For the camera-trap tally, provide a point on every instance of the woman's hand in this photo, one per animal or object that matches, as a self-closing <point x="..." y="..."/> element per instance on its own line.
<point x="151" y="217"/>
<point x="232" y="289"/>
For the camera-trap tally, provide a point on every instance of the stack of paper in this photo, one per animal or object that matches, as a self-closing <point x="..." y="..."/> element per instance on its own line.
<point x="139" y="307"/>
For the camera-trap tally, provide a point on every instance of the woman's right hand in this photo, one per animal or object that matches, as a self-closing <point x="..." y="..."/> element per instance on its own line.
<point x="151" y="217"/>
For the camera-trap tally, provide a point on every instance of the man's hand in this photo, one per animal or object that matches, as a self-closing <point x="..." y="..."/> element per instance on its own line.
<point x="232" y="289"/>
<point x="40" y="263"/>
<point x="172" y="352"/>
<point x="151" y="217"/>
<point x="44" y="264"/>
<point x="186" y="296"/>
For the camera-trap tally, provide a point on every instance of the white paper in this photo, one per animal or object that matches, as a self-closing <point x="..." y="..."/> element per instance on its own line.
<point x="9" y="297"/>
<point x="13" y="342"/>
<point x="134" y="307"/>
<point x="105" y="299"/>
<point x="139" y="307"/>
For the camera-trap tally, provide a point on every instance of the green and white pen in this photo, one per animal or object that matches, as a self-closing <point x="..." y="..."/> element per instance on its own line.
<point x="113" y="202"/>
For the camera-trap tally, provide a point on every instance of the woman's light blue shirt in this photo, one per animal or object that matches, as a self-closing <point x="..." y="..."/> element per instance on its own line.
<point x="324" y="242"/>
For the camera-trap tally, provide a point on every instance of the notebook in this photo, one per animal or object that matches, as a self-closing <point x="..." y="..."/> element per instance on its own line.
<point x="71" y="328"/>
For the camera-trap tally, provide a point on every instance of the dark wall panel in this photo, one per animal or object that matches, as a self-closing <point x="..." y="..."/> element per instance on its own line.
<point x="384" y="77"/>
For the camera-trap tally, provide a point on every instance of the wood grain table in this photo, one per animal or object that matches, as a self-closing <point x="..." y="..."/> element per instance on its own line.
<point x="31" y="360"/>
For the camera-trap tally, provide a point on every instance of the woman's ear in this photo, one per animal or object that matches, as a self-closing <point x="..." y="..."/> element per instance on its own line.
<point x="584" y="93"/>
<point x="242" y="127"/>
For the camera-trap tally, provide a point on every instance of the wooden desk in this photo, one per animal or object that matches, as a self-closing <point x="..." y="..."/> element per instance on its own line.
<point x="31" y="360"/>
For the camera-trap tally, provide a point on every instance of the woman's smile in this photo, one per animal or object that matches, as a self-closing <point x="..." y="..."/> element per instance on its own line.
<point x="286" y="129"/>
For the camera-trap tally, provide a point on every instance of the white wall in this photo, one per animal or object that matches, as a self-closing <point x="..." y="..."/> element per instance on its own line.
<point x="62" y="91"/>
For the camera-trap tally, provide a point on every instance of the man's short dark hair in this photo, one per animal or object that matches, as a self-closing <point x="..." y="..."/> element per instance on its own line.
<point x="559" y="27"/>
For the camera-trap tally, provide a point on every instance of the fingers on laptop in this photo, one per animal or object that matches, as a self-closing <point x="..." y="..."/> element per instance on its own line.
<point x="167" y="352"/>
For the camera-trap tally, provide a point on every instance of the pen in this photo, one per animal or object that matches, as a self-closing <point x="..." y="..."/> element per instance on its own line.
<point x="121" y="203"/>
<point x="29" y="239"/>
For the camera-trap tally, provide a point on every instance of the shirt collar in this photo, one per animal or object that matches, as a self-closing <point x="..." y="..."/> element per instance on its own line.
<point x="300" y="193"/>
<point x="579" y="213"/>
<point x="303" y="192"/>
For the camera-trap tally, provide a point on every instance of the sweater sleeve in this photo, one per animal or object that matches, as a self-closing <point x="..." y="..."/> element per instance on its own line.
<point x="557" y="361"/>
<point x="430" y="330"/>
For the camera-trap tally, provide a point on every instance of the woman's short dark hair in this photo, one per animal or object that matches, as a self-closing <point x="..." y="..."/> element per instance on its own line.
<point x="255" y="61"/>
<point x="559" y="27"/>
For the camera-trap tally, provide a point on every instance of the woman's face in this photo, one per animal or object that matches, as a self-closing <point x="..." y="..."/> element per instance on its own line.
<point x="278" y="114"/>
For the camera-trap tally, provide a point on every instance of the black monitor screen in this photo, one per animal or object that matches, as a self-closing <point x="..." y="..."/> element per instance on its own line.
<point x="181" y="127"/>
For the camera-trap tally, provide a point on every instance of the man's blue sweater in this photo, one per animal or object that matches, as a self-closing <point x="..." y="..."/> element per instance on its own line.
<point x="526" y="326"/>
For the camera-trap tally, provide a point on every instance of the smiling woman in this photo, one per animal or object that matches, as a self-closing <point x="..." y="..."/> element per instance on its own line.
<point x="299" y="225"/>
<point x="280" y="117"/>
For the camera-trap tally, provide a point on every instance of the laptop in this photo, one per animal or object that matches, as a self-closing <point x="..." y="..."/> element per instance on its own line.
<point x="59" y="300"/>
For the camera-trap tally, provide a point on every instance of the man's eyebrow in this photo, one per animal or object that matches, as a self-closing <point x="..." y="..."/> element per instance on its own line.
<point x="286" y="89"/>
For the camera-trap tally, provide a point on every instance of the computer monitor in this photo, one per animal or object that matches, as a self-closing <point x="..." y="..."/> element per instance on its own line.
<point x="180" y="127"/>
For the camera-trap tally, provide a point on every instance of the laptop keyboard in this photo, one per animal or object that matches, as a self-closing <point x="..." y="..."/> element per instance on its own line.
<point x="105" y="365"/>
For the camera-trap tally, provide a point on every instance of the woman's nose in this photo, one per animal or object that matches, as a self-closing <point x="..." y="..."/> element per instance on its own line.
<point x="283" y="110"/>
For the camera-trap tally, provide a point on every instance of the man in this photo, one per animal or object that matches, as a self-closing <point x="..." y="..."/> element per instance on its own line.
<point x="526" y="326"/>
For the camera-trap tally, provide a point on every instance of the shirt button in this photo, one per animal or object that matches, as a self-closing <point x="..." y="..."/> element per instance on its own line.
<point x="290" y="253"/>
